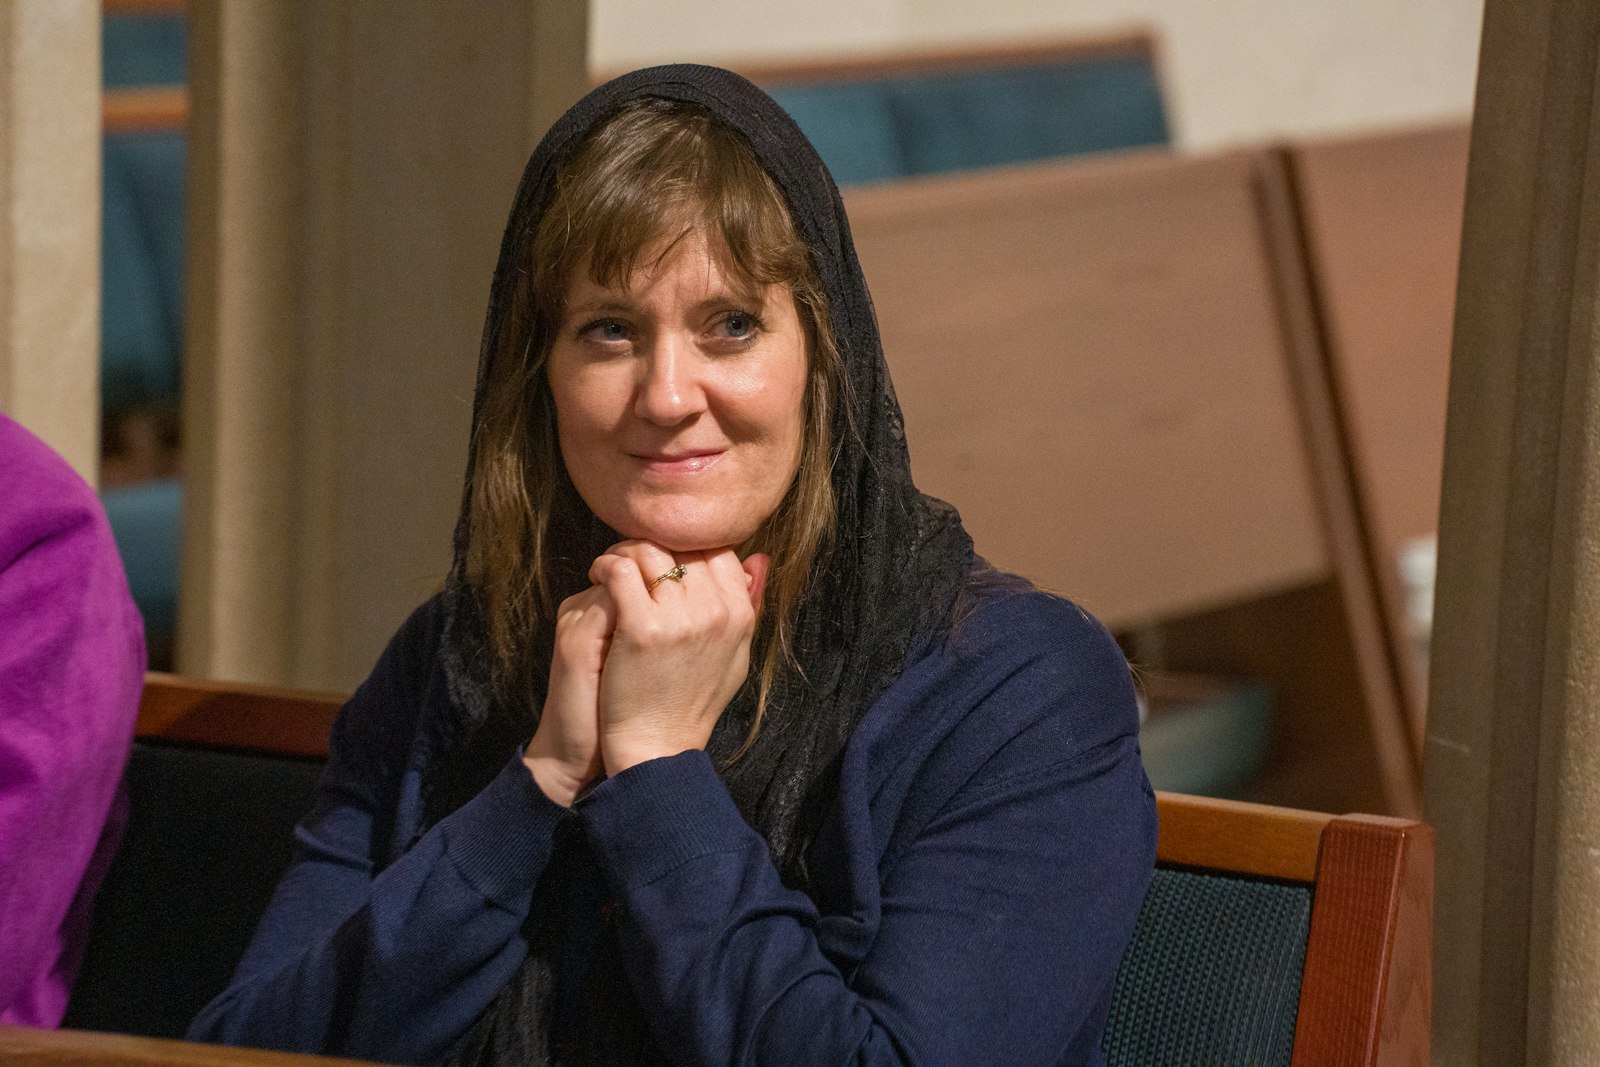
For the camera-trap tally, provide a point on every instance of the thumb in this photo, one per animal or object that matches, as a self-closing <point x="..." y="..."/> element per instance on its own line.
<point x="756" y="566"/>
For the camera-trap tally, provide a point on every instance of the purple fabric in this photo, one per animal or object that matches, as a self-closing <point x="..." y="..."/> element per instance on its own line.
<point x="71" y="668"/>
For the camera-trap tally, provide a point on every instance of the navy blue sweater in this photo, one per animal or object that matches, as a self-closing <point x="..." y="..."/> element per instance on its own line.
<point x="976" y="882"/>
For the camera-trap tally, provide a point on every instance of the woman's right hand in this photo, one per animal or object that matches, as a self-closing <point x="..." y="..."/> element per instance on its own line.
<point x="564" y="755"/>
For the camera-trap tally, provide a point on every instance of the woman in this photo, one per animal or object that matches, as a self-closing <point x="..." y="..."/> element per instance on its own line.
<point x="720" y="746"/>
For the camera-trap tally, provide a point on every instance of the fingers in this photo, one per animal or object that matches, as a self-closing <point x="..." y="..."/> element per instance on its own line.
<point x="631" y="571"/>
<point x="584" y="625"/>
<point x="756" y="566"/>
<point x="620" y="577"/>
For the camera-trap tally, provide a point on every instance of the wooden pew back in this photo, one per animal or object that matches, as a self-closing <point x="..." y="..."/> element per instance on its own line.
<point x="22" y="1046"/>
<point x="1356" y="990"/>
<point x="1382" y="217"/>
<point x="1112" y="368"/>
<point x="1093" y="366"/>
<point x="218" y="777"/>
<point x="1363" y="997"/>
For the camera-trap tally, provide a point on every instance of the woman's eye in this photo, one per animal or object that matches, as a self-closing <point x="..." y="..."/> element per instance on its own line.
<point x="609" y="331"/>
<point x="740" y="325"/>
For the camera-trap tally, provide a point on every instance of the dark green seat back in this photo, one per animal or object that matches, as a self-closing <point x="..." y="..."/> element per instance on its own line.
<point x="1213" y="973"/>
<point x="209" y="834"/>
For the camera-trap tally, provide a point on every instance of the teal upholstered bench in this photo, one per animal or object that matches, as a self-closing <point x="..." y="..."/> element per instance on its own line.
<point x="881" y="118"/>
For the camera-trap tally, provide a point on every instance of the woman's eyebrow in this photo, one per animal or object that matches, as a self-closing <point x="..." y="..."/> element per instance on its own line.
<point x="752" y="298"/>
<point x="601" y="306"/>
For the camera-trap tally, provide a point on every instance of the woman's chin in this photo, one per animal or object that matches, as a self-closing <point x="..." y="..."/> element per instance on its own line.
<point x="685" y="538"/>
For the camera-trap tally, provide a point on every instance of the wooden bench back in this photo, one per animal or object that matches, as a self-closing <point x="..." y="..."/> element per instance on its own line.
<point x="1364" y="996"/>
<point x="22" y="1046"/>
<point x="1094" y="369"/>
<point x="1366" y="990"/>
<point x="1382" y="217"/>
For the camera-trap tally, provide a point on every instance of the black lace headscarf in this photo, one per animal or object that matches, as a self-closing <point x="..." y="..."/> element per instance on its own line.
<point x="898" y="562"/>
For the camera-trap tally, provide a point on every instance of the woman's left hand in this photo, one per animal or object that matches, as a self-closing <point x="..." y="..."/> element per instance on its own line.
<point x="680" y="651"/>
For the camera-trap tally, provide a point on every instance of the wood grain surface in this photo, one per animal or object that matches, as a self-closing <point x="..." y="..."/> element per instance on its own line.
<point x="25" y="1047"/>
<point x="160" y="108"/>
<point x="1092" y="366"/>
<point x="1231" y="835"/>
<point x="237" y="716"/>
<point x="1383" y="222"/>
<point x="1366" y="994"/>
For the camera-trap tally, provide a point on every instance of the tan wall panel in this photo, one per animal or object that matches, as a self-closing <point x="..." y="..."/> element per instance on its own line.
<point x="366" y="157"/>
<point x="1512" y="778"/>
<point x="50" y="224"/>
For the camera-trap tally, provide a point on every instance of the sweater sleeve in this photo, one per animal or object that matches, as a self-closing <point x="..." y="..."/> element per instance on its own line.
<point x="71" y="666"/>
<point x="393" y="966"/>
<point x="1003" y="918"/>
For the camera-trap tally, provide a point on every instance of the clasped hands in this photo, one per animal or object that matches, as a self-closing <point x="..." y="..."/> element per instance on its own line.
<point x="640" y="672"/>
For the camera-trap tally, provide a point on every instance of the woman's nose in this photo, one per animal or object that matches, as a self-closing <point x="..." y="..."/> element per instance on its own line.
<point x="670" y="390"/>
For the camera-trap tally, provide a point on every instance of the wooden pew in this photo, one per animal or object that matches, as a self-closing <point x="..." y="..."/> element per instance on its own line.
<point x="145" y="109"/>
<point x="1351" y="896"/>
<point x="1191" y="984"/>
<point x="218" y="777"/>
<point x="24" y="1047"/>
<point x="1382" y="221"/>
<point x="1111" y="368"/>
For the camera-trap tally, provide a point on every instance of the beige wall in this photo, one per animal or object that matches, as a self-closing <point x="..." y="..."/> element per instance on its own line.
<point x="1235" y="70"/>
<point x="50" y="223"/>
<point x="351" y="167"/>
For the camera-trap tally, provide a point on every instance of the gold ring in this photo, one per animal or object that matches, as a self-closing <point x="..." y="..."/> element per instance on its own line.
<point x="674" y="575"/>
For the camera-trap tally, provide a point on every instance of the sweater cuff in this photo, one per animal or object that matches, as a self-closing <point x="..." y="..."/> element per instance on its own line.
<point x="660" y="814"/>
<point x="500" y="840"/>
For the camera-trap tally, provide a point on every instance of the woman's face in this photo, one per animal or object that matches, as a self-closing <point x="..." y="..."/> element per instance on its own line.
<point x="680" y="399"/>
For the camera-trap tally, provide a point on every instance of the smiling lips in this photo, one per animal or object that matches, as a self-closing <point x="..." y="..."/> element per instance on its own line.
<point x="691" y="462"/>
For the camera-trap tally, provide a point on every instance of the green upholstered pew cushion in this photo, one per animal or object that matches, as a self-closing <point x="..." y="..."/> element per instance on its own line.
<point x="209" y="834"/>
<point x="148" y="48"/>
<point x="851" y="126"/>
<point x="877" y="129"/>
<point x="141" y="269"/>
<point x="960" y="120"/>
<point x="1213" y="973"/>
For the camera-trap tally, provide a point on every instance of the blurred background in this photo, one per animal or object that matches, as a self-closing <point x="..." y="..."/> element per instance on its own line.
<point x="1166" y="286"/>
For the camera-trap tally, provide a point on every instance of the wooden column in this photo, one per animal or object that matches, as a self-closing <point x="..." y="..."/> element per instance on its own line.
<point x="50" y="224"/>
<point x="1513" y="753"/>
<point x="352" y="168"/>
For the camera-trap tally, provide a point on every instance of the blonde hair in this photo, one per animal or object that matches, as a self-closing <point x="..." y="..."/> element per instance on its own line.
<point x="646" y="176"/>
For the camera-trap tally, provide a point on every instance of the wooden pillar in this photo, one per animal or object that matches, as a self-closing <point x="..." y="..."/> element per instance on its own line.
<point x="50" y="224"/>
<point x="352" y="168"/>
<point x="1513" y="752"/>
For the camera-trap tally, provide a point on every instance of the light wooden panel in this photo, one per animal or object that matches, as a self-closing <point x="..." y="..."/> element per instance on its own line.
<point x="1383" y="227"/>
<point x="1231" y="835"/>
<point x="1092" y="367"/>
<point x="26" y="1047"/>
<point x="162" y="108"/>
<point x="291" y="722"/>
